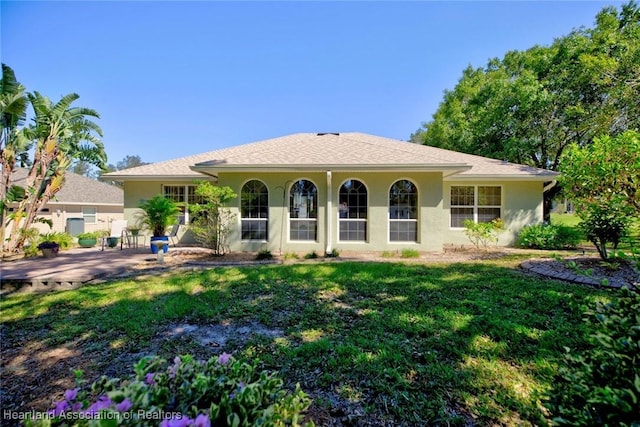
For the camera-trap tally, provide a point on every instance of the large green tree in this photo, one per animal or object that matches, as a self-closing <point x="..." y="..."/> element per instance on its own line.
<point x="529" y="106"/>
<point x="60" y="134"/>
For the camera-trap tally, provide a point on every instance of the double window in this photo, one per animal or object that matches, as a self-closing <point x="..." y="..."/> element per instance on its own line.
<point x="403" y="212"/>
<point x="303" y="211"/>
<point x="352" y="211"/>
<point x="184" y="196"/>
<point x="254" y="210"/>
<point x="482" y="203"/>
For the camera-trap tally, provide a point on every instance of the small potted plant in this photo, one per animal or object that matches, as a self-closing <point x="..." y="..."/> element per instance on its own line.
<point x="49" y="249"/>
<point x="88" y="240"/>
<point x="156" y="215"/>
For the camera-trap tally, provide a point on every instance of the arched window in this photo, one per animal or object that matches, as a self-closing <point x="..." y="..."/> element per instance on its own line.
<point x="352" y="210"/>
<point x="403" y="212"/>
<point x="254" y="210"/>
<point x="303" y="211"/>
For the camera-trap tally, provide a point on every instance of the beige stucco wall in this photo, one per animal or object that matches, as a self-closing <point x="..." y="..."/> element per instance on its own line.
<point x="136" y="191"/>
<point x="430" y="225"/>
<point x="58" y="213"/>
<point x="521" y="205"/>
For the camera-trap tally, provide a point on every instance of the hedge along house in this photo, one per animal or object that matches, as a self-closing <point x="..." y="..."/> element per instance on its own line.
<point x="348" y="191"/>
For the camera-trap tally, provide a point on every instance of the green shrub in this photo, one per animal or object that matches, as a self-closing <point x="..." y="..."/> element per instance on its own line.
<point x="549" y="236"/>
<point x="91" y="235"/>
<point x="311" y="255"/>
<point x="64" y="240"/>
<point x="410" y="253"/>
<point x="333" y="254"/>
<point x="605" y="222"/>
<point x="264" y="255"/>
<point x="291" y="255"/>
<point x="388" y="254"/>
<point x="483" y="233"/>
<point x="221" y="391"/>
<point x="601" y="385"/>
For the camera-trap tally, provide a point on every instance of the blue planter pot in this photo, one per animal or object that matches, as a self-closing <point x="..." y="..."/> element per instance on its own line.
<point x="165" y="247"/>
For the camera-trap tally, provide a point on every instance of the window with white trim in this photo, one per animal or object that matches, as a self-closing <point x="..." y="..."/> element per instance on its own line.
<point x="403" y="212"/>
<point x="254" y="210"/>
<point x="185" y="196"/>
<point x="352" y="211"/>
<point x="479" y="203"/>
<point x="90" y="215"/>
<point x="303" y="211"/>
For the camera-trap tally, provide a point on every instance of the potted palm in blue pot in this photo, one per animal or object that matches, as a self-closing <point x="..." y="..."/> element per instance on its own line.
<point x="156" y="215"/>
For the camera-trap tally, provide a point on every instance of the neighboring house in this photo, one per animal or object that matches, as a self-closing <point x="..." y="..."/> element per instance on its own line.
<point x="80" y="198"/>
<point x="349" y="191"/>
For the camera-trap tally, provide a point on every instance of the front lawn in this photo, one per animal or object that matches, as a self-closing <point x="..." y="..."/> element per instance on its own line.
<point x="388" y="343"/>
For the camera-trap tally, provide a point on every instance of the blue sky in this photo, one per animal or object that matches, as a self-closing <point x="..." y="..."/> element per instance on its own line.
<point x="177" y="78"/>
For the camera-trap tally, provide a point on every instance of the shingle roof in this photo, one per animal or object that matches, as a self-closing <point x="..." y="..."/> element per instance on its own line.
<point x="344" y="151"/>
<point x="79" y="189"/>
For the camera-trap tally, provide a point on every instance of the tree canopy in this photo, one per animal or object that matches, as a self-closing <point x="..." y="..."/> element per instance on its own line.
<point x="529" y="106"/>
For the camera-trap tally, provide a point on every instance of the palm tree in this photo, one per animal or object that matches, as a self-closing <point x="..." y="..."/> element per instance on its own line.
<point x="13" y="147"/>
<point x="60" y="134"/>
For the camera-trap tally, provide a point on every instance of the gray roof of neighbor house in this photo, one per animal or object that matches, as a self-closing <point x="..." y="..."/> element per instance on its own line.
<point x="79" y="189"/>
<point x="335" y="151"/>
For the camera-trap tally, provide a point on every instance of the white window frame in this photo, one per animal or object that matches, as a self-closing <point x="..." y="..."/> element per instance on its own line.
<point x="185" y="200"/>
<point x="415" y="220"/>
<point x="292" y="220"/>
<point x="265" y="219"/>
<point x="475" y="205"/>
<point x="346" y="220"/>
<point x="94" y="214"/>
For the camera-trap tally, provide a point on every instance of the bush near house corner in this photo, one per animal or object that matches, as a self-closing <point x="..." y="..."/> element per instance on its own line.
<point x="549" y="236"/>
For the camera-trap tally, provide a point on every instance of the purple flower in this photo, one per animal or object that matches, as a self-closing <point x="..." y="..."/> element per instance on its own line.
<point x="60" y="407"/>
<point x="71" y="394"/>
<point x="149" y="379"/>
<point x="124" y="406"/>
<point x="103" y="403"/>
<point x="76" y="406"/>
<point x="223" y="359"/>
<point x="203" y="420"/>
<point x="174" y="368"/>
<point x="241" y="385"/>
<point x="176" y="422"/>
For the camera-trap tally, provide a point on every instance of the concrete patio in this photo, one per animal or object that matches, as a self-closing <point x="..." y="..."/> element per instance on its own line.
<point x="70" y="268"/>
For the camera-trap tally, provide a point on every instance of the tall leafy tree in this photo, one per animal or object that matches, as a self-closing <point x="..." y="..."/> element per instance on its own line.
<point x="60" y="133"/>
<point x="529" y="106"/>
<point x="13" y="147"/>
<point x="603" y="178"/>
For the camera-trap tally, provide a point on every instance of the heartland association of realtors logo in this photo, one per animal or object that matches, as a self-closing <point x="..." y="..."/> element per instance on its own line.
<point x="100" y="415"/>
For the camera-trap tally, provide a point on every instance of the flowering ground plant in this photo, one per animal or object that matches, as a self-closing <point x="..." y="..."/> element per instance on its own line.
<point x="222" y="391"/>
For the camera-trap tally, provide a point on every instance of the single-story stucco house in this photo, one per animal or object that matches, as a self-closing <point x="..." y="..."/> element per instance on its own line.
<point x="347" y="191"/>
<point x="95" y="203"/>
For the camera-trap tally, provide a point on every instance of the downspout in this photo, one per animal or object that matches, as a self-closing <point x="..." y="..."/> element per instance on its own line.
<point x="328" y="214"/>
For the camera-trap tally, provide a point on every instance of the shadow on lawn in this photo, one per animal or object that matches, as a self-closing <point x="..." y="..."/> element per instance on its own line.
<point x="412" y="344"/>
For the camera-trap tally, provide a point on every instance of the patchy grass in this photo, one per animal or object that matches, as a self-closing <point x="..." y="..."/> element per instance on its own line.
<point x="410" y="253"/>
<point x="403" y="344"/>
